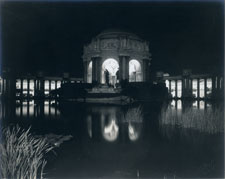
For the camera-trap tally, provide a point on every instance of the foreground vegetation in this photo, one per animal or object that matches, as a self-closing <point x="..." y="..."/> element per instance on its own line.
<point x="133" y="115"/>
<point x="22" y="155"/>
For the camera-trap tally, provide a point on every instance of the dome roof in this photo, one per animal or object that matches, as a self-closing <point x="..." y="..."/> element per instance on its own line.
<point x="111" y="33"/>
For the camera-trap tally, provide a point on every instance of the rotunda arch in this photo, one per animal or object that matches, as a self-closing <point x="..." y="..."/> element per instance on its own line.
<point x="110" y="68"/>
<point x="135" y="71"/>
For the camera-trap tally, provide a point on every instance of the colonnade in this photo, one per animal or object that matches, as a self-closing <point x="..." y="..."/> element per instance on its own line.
<point x="123" y="68"/>
<point x="212" y="89"/>
<point x="36" y="110"/>
<point x="36" y="87"/>
<point x="30" y="87"/>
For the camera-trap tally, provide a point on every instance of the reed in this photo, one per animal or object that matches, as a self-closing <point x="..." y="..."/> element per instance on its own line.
<point x="134" y="115"/>
<point x="210" y="121"/>
<point x="21" y="154"/>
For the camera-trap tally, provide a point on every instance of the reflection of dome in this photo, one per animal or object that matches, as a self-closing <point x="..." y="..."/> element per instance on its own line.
<point x="111" y="131"/>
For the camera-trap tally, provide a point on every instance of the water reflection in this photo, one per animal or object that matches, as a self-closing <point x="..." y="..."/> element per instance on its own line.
<point x="146" y="134"/>
<point x="200" y="104"/>
<point x="110" y="129"/>
<point x="115" y="123"/>
<point x="35" y="109"/>
<point x="134" y="131"/>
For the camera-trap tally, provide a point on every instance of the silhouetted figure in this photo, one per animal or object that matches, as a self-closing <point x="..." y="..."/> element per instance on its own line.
<point x="107" y="77"/>
<point x="117" y="75"/>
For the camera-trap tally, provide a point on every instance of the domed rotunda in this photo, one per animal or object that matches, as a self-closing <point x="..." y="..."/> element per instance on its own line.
<point x="114" y="56"/>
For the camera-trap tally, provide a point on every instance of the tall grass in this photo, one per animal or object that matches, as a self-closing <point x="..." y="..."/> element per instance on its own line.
<point x="21" y="154"/>
<point x="133" y="115"/>
<point x="210" y="121"/>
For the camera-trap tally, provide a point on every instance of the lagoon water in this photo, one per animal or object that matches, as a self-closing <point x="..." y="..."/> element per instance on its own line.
<point x="133" y="141"/>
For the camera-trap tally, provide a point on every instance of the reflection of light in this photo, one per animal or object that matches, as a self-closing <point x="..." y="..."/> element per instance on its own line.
<point x="132" y="133"/>
<point x="173" y="103"/>
<point x="195" y="104"/>
<point x="46" y="108"/>
<point x="57" y="112"/>
<point x="167" y="84"/>
<point x="209" y="105"/>
<point x="202" y="105"/>
<point x="111" y="131"/>
<point x="52" y="111"/>
<point x="89" y="126"/>
<point x="24" y="110"/>
<point x="179" y="104"/>
<point x="202" y="87"/>
<point x="31" y="109"/>
<point x="17" y="111"/>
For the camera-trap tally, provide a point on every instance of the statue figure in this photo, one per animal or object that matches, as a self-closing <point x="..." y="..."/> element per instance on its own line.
<point x="107" y="77"/>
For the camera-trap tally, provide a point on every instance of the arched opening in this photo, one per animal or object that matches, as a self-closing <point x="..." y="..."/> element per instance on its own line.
<point x="135" y="73"/>
<point x="110" y="69"/>
<point x="89" y="73"/>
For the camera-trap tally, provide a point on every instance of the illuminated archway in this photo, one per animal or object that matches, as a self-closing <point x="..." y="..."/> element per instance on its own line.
<point x="135" y="72"/>
<point x="89" y="72"/>
<point x="110" y="68"/>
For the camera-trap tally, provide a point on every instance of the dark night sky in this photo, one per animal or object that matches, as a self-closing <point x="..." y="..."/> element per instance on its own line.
<point x="50" y="36"/>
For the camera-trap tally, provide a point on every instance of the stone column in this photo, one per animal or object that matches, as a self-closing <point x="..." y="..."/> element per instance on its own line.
<point x="198" y="88"/>
<point x="191" y="87"/>
<point x="49" y="85"/>
<point x="145" y="70"/>
<point x="93" y="70"/>
<point x="127" y="59"/>
<point x="42" y="87"/>
<point x="85" y="71"/>
<point x="99" y="69"/>
<point x="28" y="88"/>
<point x="175" y="88"/>
<point x="35" y="86"/>
<point x="21" y="85"/>
<point x="96" y="69"/>
<point x="121" y="68"/>
<point x="183" y="81"/>
<point x="124" y="67"/>
<point x="38" y="85"/>
<point x="3" y="86"/>
<point x="205" y="87"/>
<point x="55" y="84"/>
<point x="170" y="86"/>
<point x="213" y="86"/>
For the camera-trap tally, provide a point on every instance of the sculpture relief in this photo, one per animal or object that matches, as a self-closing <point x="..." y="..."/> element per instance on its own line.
<point x="109" y="44"/>
<point x="124" y="45"/>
